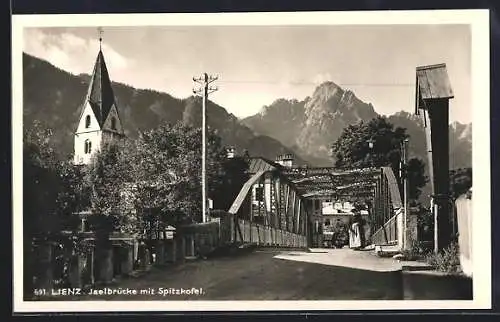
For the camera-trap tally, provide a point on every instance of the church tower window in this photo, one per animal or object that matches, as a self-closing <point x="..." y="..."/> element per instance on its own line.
<point x="88" y="147"/>
<point x="87" y="122"/>
<point x="113" y="123"/>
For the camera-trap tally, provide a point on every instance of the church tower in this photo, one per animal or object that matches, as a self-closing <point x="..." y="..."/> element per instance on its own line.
<point x="99" y="121"/>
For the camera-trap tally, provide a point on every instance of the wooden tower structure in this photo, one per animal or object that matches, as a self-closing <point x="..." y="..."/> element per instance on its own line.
<point x="433" y="92"/>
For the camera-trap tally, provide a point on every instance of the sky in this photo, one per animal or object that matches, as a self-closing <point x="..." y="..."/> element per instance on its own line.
<point x="258" y="64"/>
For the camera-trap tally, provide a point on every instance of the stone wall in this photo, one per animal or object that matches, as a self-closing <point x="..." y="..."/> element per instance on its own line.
<point x="464" y="217"/>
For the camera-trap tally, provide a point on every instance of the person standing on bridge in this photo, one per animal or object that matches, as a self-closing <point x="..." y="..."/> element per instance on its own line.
<point x="356" y="230"/>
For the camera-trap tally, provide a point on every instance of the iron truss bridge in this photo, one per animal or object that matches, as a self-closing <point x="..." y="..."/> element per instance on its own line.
<point x="335" y="183"/>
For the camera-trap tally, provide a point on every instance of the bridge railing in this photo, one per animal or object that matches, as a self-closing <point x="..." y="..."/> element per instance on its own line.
<point x="388" y="234"/>
<point x="388" y="210"/>
<point x="246" y="232"/>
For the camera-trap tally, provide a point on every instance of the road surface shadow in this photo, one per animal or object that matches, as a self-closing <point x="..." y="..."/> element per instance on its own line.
<point x="259" y="276"/>
<point x="424" y="286"/>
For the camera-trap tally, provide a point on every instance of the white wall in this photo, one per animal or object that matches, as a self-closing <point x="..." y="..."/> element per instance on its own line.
<point x="94" y="125"/>
<point x="95" y="138"/>
<point x="93" y="133"/>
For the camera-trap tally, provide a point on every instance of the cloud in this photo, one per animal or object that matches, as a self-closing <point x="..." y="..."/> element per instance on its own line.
<point x="70" y="52"/>
<point x="321" y="78"/>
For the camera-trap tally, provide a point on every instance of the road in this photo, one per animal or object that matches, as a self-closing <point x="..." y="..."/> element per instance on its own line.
<point x="258" y="275"/>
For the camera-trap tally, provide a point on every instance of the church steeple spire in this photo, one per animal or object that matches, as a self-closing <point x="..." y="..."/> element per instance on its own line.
<point x="100" y="92"/>
<point x="99" y="121"/>
<point x="100" y="38"/>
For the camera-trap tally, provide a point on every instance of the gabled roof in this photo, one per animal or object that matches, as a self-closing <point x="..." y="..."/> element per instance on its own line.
<point x="100" y="93"/>
<point x="262" y="164"/>
<point x="432" y="83"/>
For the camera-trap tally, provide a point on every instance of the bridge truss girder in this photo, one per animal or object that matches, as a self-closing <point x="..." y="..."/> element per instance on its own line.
<point x="277" y="204"/>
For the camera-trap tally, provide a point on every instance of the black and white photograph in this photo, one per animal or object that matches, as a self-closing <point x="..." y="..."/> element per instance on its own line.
<point x="251" y="161"/>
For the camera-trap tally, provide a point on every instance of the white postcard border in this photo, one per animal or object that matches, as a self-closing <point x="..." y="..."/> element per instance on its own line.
<point x="477" y="19"/>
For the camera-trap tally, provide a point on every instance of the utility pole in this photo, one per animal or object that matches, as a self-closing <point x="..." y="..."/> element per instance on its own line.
<point x="404" y="176"/>
<point x="205" y="80"/>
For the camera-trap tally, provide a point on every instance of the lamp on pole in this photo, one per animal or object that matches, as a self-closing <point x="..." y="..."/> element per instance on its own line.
<point x="371" y="143"/>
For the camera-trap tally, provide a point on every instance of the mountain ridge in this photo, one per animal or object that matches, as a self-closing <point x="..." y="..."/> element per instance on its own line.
<point x="55" y="98"/>
<point x="306" y="127"/>
<point x="319" y="120"/>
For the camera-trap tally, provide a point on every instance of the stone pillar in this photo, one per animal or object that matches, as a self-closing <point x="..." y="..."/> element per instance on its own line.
<point x="160" y="252"/>
<point x="147" y="257"/>
<point x="141" y="255"/>
<point x="191" y="246"/>
<point x="136" y="250"/>
<point x="171" y="250"/>
<point x="45" y="276"/>
<point x="75" y="270"/>
<point x="92" y="263"/>
<point x="106" y="264"/>
<point x="182" y="248"/>
<point x="128" y="260"/>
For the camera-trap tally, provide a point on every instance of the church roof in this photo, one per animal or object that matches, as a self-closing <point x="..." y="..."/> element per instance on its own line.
<point x="100" y="93"/>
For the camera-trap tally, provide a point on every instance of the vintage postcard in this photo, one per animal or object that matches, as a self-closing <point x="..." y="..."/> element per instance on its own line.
<point x="251" y="161"/>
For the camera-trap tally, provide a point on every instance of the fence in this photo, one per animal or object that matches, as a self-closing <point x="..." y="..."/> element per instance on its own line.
<point x="59" y="263"/>
<point x="98" y="262"/>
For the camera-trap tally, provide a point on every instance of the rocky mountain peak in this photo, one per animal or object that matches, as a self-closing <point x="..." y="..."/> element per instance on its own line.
<point x="326" y="87"/>
<point x="312" y="125"/>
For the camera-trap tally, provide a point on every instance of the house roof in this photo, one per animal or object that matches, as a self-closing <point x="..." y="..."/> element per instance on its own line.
<point x="432" y="83"/>
<point x="262" y="164"/>
<point x="100" y="92"/>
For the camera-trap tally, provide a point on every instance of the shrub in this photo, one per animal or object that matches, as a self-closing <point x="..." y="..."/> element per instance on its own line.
<point x="218" y="213"/>
<point x="418" y="251"/>
<point x="425" y="223"/>
<point x="448" y="260"/>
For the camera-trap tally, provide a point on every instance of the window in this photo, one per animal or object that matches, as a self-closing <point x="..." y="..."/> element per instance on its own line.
<point x="327" y="222"/>
<point x="87" y="121"/>
<point x="259" y="194"/>
<point x="113" y="123"/>
<point x="88" y="147"/>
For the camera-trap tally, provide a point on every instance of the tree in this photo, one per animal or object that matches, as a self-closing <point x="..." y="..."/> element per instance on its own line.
<point x="234" y="177"/>
<point x="166" y="168"/>
<point x="105" y="178"/>
<point x="460" y="182"/>
<point x="50" y="187"/>
<point x="50" y="196"/>
<point x="352" y="150"/>
<point x="416" y="178"/>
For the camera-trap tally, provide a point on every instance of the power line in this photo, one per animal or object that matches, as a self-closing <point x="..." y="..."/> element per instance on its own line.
<point x="205" y="80"/>
<point x="318" y="83"/>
